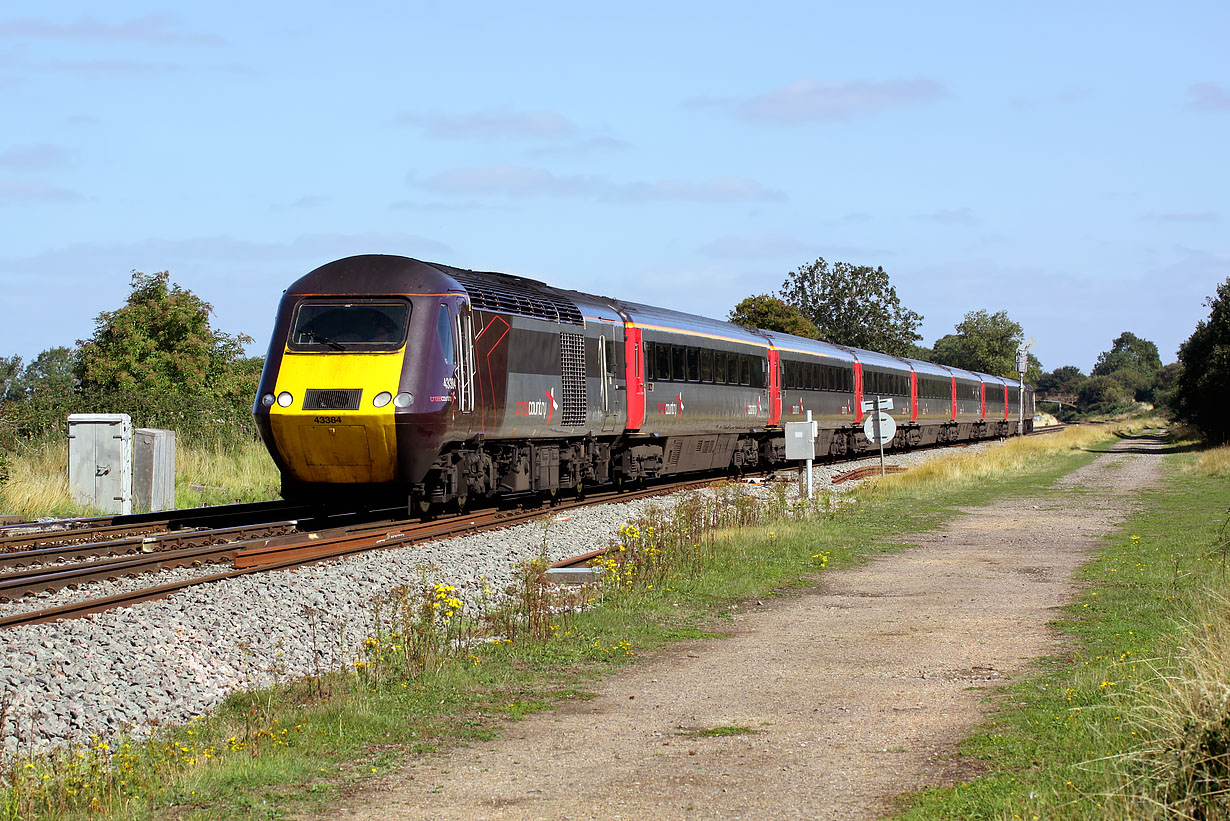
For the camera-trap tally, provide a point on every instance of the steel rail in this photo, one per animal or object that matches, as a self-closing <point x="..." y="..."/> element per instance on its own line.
<point x="162" y="542"/>
<point x="84" y="531"/>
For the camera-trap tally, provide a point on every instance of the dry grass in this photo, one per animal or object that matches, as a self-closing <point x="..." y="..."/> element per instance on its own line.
<point x="225" y="474"/>
<point x="1184" y="772"/>
<point x="38" y="480"/>
<point x="1215" y="462"/>
<point x="1013" y="454"/>
<point x="38" y="483"/>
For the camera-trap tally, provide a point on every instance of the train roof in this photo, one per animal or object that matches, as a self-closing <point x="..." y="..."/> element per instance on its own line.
<point x="929" y="368"/>
<point x="664" y="319"/>
<point x="375" y="274"/>
<point x="818" y="347"/>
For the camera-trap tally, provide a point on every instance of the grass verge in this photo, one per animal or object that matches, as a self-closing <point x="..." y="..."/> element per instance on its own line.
<point x="37" y="485"/>
<point x="1135" y="721"/>
<point x="300" y="745"/>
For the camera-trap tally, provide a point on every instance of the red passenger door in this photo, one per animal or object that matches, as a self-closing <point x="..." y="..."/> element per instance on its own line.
<point x="775" y="387"/>
<point x="914" y="394"/>
<point x="858" y="391"/>
<point x="635" y="369"/>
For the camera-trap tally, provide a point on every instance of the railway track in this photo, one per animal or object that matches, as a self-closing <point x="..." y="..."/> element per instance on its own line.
<point x="278" y="552"/>
<point x="80" y="552"/>
<point x="24" y="536"/>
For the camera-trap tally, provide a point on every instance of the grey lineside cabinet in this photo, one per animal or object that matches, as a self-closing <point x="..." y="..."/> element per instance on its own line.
<point x="153" y="469"/>
<point x="100" y="461"/>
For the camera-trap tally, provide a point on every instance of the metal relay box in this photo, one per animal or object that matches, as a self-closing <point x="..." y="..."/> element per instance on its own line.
<point x="99" y="460"/>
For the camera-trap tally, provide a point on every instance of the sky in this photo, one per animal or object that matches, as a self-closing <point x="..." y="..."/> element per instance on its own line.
<point x="1064" y="162"/>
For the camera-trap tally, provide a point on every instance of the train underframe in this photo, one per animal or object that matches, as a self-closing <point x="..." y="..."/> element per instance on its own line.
<point x="469" y="471"/>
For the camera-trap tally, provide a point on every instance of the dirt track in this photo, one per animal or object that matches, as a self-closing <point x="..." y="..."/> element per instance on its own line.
<point x="857" y="690"/>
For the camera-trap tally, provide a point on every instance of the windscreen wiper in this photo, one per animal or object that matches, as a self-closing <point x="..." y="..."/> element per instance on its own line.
<point x="332" y="343"/>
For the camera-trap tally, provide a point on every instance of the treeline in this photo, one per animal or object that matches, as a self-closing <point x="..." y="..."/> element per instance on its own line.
<point x="156" y="358"/>
<point x="857" y="305"/>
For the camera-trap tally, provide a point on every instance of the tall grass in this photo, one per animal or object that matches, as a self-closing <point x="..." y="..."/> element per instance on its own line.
<point x="204" y="475"/>
<point x="1214" y="462"/>
<point x="1015" y="454"/>
<point x="38" y="482"/>
<point x="1182" y="770"/>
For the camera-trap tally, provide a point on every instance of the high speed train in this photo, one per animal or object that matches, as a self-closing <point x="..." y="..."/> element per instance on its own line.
<point x="389" y="378"/>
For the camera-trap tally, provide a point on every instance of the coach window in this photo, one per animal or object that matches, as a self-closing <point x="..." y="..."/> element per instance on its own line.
<point x="679" y="368"/>
<point x="662" y="358"/>
<point x="719" y="366"/>
<point x="706" y="365"/>
<point x="444" y="328"/>
<point x="693" y="365"/>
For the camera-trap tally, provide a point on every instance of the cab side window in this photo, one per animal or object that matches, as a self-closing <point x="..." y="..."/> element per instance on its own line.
<point x="444" y="327"/>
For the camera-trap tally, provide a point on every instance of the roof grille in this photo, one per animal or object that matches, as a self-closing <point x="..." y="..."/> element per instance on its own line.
<point x="332" y="398"/>
<point x="506" y="294"/>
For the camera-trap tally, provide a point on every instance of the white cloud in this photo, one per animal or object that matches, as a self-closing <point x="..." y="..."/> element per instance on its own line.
<point x="509" y="180"/>
<point x="34" y="156"/>
<point x="521" y="181"/>
<point x="491" y="124"/>
<point x="1208" y="97"/>
<point x="810" y="101"/>
<point x="34" y="191"/>
<point x="152" y="29"/>
<point x="757" y="246"/>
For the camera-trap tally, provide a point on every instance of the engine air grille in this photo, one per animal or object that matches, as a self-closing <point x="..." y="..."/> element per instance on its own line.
<point x="332" y="398"/>
<point x="506" y="294"/>
<point x="572" y="366"/>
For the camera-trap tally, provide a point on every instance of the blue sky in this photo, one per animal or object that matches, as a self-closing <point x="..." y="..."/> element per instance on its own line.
<point x="1064" y="162"/>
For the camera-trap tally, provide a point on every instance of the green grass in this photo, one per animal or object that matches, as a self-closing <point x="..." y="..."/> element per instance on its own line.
<point x="718" y="732"/>
<point x="204" y="475"/>
<point x="295" y="748"/>
<point x="1067" y="739"/>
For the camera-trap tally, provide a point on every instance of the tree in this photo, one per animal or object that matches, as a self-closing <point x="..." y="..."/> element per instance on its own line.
<point x="1129" y="352"/>
<point x="987" y="343"/>
<point x="1204" y="382"/>
<point x="160" y="342"/>
<point x="1134" y="362"/>
<point x="52" y="373"/>
<point x="10" y="368"/>
<point x="1061" y="383"/>
<point x="852" y="305"/>
<point x="771" y="314"/>
<point x="1103" y="391"/>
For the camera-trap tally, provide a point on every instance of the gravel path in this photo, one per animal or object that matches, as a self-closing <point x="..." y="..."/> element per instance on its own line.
<point x="853" y="692"/>
<point x="169" y="660"/>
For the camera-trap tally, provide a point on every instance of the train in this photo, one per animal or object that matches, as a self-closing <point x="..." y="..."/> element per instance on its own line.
<point x="393" y="380"/>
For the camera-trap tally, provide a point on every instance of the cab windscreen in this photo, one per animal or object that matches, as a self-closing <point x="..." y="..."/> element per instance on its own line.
<point x="349" y="326"/>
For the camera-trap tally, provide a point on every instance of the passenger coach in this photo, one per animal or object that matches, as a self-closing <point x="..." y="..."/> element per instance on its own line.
<point x="388" y="378"/>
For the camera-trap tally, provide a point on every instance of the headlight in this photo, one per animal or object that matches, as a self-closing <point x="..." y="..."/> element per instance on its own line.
<point x="381" y="399"/>
<point x="403" y="400"/>
<point x="285" y="399"/>
<point x="267" y="399"/>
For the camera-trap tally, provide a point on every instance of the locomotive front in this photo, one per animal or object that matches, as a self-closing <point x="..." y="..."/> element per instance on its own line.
<point x="357" y="389"/>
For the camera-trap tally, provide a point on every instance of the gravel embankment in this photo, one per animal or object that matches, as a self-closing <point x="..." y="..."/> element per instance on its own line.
<point x="165" y="661"/>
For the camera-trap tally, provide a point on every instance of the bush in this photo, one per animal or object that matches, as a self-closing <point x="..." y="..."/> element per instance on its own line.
<point x="1204" y="382"/>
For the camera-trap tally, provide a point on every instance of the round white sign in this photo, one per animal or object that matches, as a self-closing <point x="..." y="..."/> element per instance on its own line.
<point x="888" y="428"/>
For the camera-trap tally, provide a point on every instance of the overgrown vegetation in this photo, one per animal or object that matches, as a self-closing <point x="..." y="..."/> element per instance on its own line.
<point x="1203" y="382"/>
<point x="205" y="474"/>
<point x="432" y="674"/>
<point x="1134" y="721"/>
<point x="156" y="358"/>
